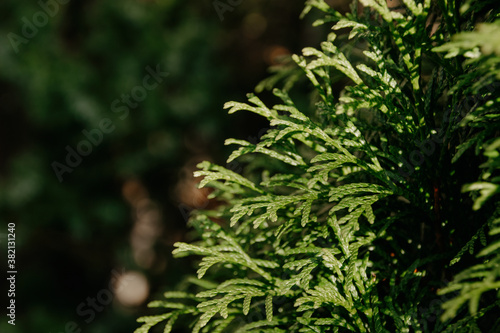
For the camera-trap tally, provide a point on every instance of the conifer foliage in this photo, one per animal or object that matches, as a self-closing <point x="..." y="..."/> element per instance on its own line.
<point x="373" y="209"/>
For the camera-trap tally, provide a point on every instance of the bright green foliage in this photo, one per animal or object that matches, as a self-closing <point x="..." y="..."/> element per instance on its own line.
<point x="353" y="213"/>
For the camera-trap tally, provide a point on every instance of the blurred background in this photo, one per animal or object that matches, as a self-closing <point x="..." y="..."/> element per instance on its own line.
<point x="106" y="108"/>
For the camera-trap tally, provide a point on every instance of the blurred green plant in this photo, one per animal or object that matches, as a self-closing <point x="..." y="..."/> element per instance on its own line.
<point x="70" y="74"/>
<point x="354" y="215"/>
<point x="63" y="80"/>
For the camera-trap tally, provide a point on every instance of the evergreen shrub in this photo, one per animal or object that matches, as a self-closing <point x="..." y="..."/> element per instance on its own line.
<point x="372" y="209"/>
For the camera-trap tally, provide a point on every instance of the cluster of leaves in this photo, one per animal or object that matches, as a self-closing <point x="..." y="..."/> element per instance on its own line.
<point x="355" y="215"/>
<point x="483" y="122"/>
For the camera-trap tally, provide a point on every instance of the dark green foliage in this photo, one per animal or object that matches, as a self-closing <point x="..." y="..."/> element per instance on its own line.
<point x="65" y="79"/>
<point x="375" y="210"/>
<point x="71" y="234"/>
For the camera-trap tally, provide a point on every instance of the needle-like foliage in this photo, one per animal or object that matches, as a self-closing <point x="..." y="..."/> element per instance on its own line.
<point x="374" y="210"/>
